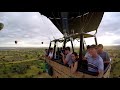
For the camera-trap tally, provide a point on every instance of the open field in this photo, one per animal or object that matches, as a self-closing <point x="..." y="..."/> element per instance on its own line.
<point x="22" y="63"/>
<point x="29" y="62"/>
<point x="114" y="52"/>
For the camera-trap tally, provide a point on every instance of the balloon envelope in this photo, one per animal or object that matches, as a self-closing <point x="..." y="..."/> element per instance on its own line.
<point x="15" y="42"/>
<point x="1" y="26"/>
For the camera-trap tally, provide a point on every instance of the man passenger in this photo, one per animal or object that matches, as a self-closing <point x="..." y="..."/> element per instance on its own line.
<point x="95" y="62"/>
<point x="67" y="60"/>
<point x="104" y="55"/>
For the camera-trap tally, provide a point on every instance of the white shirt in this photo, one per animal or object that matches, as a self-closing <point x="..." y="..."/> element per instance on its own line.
<point x="50" y="54"/>
<point x="87" y="54"/>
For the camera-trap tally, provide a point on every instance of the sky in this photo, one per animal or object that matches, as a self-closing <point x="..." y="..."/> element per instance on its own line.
<point x="32" y="28"/>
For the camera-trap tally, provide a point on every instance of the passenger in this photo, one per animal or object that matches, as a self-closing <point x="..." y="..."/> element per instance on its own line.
<point x="46" y="52"/>
<point x="104" y="55"/>
<point x="68" y="56"/>
<point x="95" y="62"/>
<point x="61" y="48"/>
<point x="50" y="56"/>
<point x="87" y="54"/>
<point x="74" y="62"/>
<point x="58" y="53"/>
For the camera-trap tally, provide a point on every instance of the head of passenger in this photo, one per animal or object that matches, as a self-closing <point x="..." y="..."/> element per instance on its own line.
<point x="46" y="50"/>
<point x="100" y="48"/>
<point x="88" y="48"/>
<point x="67" y="50"/>
<point x="93" y="50"/>
<point x="51" y="49"/>
<point x="74" y="56"/>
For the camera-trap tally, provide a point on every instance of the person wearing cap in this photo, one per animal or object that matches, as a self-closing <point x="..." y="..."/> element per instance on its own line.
<point x="95" y="62"/>
<point x="67" y="60"/>
<point x="104" y="55"/>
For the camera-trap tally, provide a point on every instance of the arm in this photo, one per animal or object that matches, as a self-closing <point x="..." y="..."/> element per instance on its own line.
<point x="100" y="75"/>
<point x="101" y="68"/>
<point x="63" y="58"/>
<point x="84" y="58"/>
<point x="106" y="61"/>
<point x="50" y="56"/>
<point x="107" y="58"/>
<point x="74" y="67"/>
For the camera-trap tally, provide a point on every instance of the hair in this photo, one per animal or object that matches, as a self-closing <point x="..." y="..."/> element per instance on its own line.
<point x="93" y="46"/>
<point x="75" y="53"/>
<point x="88" y="46"/>
<point x="51" y="49"/>
<point x="67" y="48"/>
<point x="100" y="45"/>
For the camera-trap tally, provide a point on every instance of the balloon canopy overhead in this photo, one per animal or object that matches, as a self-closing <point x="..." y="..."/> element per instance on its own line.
<point x="75" y="22"/>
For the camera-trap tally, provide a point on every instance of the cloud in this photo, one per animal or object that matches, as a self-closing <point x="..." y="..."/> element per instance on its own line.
<point x="110" y="22"/>
<point x="32" y="28"/>
<point x="109" y="30"/>
<point x="28" y="27"/>
<point x="117" y="42"/>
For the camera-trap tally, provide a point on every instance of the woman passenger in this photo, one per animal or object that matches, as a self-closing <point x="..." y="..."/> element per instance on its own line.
<point x="74" y="63"/>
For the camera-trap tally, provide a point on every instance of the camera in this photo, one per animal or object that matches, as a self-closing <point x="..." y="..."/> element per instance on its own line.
<point x="62" y="51"/>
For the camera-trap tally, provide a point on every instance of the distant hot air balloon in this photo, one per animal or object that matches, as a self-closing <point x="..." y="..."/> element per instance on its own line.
<point x="41" y="42"/>
<point x="15" y="42"/>
<point x="1" y="26"/>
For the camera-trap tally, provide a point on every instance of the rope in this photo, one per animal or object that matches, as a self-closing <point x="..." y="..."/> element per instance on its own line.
<point x="48" y="28"/>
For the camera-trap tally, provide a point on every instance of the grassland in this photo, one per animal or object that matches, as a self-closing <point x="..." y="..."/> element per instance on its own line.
<point x="22" y="63"/>
<point x="114" y="52"/>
